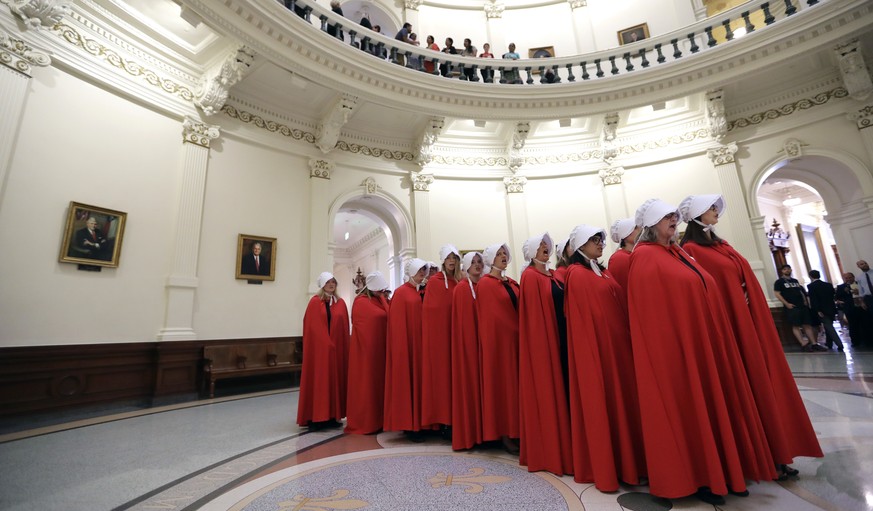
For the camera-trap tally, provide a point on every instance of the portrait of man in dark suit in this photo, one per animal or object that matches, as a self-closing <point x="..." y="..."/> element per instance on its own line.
<point x="92" y="236"/>
<point x="90" y="242"/>
<point x="254" y="263"/>
<point x="256" y="258"/>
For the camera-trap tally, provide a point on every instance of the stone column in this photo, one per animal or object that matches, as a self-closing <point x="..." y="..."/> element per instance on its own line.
<point x="583" y="30"/>
<point x="410" y="15"/>
<point x="421" y="210"/>
<point x="517" y="221"/>
<point x="321" y="244"/>
<point x="182" y="282"/>
<point x="864" y="120"/>
<point x="852" y="226"/>
<point x="767" y="274"/>
<point x="494" y="30"/>
<point x="16" y="61"/>
<point x="613" y="198"/>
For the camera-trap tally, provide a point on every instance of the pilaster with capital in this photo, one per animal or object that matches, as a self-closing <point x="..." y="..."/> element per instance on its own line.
<point x="410" y="13"/>
<point x="320" y="239"/>
<point x="494" y="27"/>
<point x="182" y="282"/>
<point x="583" y="29"/>
<point x="421" y="209"/>
<point x="863" y="119"/>
<point x="517" y="222"/>
<point x="614" y="199"/>
<point x="39" y="14"/>
<point x="764" y="269"/>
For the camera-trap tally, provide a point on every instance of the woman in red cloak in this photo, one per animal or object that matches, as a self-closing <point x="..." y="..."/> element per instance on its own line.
<point x="466" y="394"/>
<point x="789" y="430"/>
<point x="542" y="364"/>
<point x="366" y="395"/>
<point x="702" y="433"/>
<point x="403" y="356"/>
<point x="624" y="232"/>
<point x="497" y="307"/>
<point x="325" y="338"/>
<point x="563" y="260"/>
<point x="436" y="340"/>
<point x="604" y="409"/>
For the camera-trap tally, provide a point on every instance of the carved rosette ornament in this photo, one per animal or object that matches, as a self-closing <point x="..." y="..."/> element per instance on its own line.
<point x="199" y="133"/>
<point x="213" y="91"/>
<point x="863" y="117"/>
<point x="611" y="175"/>
<point x="493" y="9"/>
<point x="420" y="181"/>
<point x="716" y="122"/>
<point x="39" y="14"/>
<point x="320" y="168"/>
<point x="412" y="5"/>
<point x="575" y="4"/>
<point x="18" y="55"/>
<point x="370" y="186"/>
<point x="514" y="184"/>
<point x="723" y="154"/>
<point x="854" y="70"/>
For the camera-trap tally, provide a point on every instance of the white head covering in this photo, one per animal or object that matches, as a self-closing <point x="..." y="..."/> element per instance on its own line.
<point x="621" y="229"/>
<point x="431" y="264"/>
<point x="561" y="247"/>
<point x="413" y="265"/>
<point x="324" y="278"/>
<point x="581" y="234"/>
<point x="490" y="253"/>
<point x="693" y="206"/>
<point x="376" y="281"/>
<point x="468" y="259"/>
<point x="531" y="245"/>
<point x="445" y="250"/>
<point x="652" y="211"/>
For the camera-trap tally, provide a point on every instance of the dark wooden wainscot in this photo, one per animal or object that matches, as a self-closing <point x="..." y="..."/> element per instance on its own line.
<point x="250" y="359"/>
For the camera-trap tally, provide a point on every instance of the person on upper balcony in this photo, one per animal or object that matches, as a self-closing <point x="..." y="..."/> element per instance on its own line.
<point x="487" y="74"/>
<point x="469" y="51"/>
<point x="446" y="69"/>
<point x="331" y="29"/>
<point x="511" y="75"/>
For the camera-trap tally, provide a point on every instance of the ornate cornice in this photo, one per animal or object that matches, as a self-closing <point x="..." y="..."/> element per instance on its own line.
<point x="514" y="184"/>
<point x="420" y="181"/>
<point x="39" y="14"/>
<point x="196" y="132"/>
<point x="723" y="154"/>
<point x="134" y="69"/>
<point x="305" y="136"/>
<point x="863" y="117"/>
<point x="788" y="109"/>
<point x="19" y="55"/>
<point x="611" y="175"/>
<point x="320" y="168"/>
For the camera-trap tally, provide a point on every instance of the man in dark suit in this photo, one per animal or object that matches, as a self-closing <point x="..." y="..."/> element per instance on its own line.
<point x="89" y="242"/>
<point x="849" y="302"/>
<point x="255" y="263"/>
<point x="821" y="301"/>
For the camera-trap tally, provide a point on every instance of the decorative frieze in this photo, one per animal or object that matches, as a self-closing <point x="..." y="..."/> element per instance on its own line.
<point x="854" y="70"/>
<point x="213" y="91"/>
<point x="863" y="117"/>
<point x="514" y="184"/>
<point x="420" y="181"/>
<point x="199" y="133"/>
<point x="320" y="168"/>
<point x="327" y="135"/>
<point x="428" y="138"/>
<point x="716" y="122"/>
<point x="39" y="14"/>
<point x="611" y="175"/>
<point x="723" y="154"/>
<point x="788" y="109"/>
<point x="19" y="55"/>
<point x="493" y="9"/>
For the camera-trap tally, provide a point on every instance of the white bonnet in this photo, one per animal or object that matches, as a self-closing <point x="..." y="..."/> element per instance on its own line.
<point x="531" y="245"/>
<point x="561" y="247"/>
<point x="468" y="259"/>
<point x="413" y="265"/>
<point x="324" y="278"/>
<point x="491" y="252"/>
<point x="693" y="206"/>
<point x="621" y="229"/>
<point x="652" y="211"/>
<point x="376" y="281"/>
<point x="445" y="250"/>
<point x="581" y="234"/>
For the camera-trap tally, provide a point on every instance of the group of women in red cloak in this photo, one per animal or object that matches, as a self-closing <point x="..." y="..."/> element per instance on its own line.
<point x="664" y="368"/>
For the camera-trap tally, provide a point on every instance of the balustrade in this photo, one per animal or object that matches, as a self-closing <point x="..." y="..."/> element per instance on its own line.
<point x="700" y="37"/>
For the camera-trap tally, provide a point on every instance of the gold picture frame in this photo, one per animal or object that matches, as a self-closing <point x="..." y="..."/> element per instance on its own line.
<point x="633" y="34"/>
<point x="541" y="52"/>
<point x="93" y="235"/>
<point x="248" y="267"/>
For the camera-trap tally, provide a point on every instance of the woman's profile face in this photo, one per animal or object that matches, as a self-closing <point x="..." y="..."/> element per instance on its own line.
<point x="501" y="259"/>
<point x="543" y="251"/>
<point x="593" y="248"/>
<point x="710" y="216"/>
<point x="665" y="229"/>
<point x="419" y="275"/>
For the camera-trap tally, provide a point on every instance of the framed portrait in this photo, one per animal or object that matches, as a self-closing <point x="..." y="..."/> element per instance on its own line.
<point x="255" y="257"/>
<point x="93" y="235"/>
<point x="633" y="34"/>
<point x="541" y="53"/>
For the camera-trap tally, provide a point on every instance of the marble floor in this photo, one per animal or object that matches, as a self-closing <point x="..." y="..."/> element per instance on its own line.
<point x="245" y="453"/>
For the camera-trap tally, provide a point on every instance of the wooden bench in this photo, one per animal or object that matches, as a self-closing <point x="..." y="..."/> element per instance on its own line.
<point x="249" y="359"/>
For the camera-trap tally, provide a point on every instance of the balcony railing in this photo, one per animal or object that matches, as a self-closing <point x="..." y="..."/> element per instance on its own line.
<point x="700" y="37"/>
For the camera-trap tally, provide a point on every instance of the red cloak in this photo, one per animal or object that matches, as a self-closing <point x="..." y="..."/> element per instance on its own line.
<point x="403" y="361"/>
<point x="560" y="274"/>
<point x="366" y="391"/>
<point x="543" y="410"/>
<point x="789" y="430"/>
<point x="321" y="392"/>
<point x="619" y="264"/>
<point x="498" y="358"/>
<point x="700" y="425"/>
<point x="436" y="340"/>
<point x="466" y="395"/>
<point x="604" y="408"/>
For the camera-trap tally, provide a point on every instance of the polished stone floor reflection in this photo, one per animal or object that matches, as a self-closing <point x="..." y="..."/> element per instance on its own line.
<point x="246" y="453"/>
